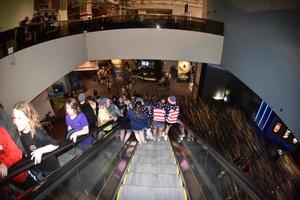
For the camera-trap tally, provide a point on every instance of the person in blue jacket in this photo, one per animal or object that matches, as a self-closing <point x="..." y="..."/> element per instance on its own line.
<point x="138" y="121"/>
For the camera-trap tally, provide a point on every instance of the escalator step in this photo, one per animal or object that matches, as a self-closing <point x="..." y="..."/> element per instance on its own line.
<point x="159" y="159"/>
<point x="149" y="152"/>
<point x="156" y="145"/>
<point x="127" y="192"/>
<point x="152" y="180"/>
<point x="154" y="169"/>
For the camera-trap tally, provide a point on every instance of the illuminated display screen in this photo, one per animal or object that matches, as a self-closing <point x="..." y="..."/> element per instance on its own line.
<point x="274" y="128"/>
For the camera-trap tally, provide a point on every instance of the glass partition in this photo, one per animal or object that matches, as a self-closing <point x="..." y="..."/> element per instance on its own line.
<point x="21" y="37"/>
<point x="85" y="180"/>
<point x="218" y="179"/>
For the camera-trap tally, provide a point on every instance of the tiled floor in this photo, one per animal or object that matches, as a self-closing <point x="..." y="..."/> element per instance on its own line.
<point x="141" y="87"/>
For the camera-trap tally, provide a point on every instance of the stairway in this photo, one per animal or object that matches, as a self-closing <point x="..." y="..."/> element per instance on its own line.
<point x="152" y="174"/>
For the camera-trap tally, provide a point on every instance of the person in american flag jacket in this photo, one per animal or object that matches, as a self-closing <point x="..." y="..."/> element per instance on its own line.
<point x="172" y="114"/>
<point x="159" y="111"/>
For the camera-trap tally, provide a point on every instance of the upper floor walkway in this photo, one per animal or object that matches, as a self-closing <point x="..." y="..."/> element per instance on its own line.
<point x="50" y="52"/>
<point x="22" y="37"/>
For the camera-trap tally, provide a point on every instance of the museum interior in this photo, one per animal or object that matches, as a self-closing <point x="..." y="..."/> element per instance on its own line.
<point x="181" y="99"/>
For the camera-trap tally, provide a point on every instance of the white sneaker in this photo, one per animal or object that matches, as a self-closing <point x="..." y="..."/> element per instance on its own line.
<point x="166" y="137"/>
<point x="149" y="137"/>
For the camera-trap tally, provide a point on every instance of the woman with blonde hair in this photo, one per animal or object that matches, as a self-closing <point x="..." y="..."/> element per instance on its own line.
<point x="34" y="139"/>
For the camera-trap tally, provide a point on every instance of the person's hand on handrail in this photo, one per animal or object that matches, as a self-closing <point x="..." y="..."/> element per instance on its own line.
<point x="37" y="154"/>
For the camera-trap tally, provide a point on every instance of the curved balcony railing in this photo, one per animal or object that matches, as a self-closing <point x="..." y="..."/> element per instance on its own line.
<point x="22" y="37"/>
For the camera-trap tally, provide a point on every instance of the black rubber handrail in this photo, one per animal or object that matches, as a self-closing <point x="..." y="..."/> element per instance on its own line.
<point x="64" y="145"/>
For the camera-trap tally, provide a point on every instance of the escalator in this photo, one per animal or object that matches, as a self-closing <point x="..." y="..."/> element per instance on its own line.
<point x="84" y="176"/>
<point x="156" y="170"/>
<point x="153" y="174"/>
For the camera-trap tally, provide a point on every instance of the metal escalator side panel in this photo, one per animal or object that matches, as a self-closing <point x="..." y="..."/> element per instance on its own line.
<point x="119" y="193"/>
<point x="185" y="194"/>
<point x="112" y="187"/>
<point x="180" y="181"/>
<point x="124" y="179"/>
<point x="192" y="187"/>
<point x="130" y="164"/>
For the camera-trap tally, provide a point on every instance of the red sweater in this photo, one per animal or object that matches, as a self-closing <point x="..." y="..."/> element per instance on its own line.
<point x="10" y="154"/>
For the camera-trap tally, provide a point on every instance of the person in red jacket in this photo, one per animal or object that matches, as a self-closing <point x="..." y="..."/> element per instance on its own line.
<point x="9" y="155"/>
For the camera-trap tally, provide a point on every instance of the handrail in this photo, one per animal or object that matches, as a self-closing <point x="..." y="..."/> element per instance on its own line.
<point x="42" y="32"/>
<point x="120" y="16"/>
<point x="64" y="144"/>
<point x="249" y="185"/>
<point x="43" y="188"/>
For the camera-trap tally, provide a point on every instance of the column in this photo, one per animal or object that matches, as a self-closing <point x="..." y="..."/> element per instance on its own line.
<point x="62" y="10"/>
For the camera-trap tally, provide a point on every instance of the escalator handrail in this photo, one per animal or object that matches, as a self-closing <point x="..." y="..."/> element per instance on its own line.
<point x="53" y="180"/>
<point x="63" y="144"/>
<point x="247" y="184"/>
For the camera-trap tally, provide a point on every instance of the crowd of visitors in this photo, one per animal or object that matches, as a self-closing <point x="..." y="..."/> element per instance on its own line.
<point x="135" y="114"/>
<point x="23" y="135"/>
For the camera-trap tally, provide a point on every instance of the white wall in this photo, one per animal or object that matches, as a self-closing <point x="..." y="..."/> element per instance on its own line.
<point x="164" y="44"/>
<point x="261" y="48"/>
<point x="42" y="104"/>
<point x="38" y="67"/>
<point x="13" y="11"/>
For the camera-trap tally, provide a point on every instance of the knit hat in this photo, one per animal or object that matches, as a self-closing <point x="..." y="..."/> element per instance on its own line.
<point x="103" y="101"/>
<point x="81" y="97"/>
<point x="172" y="100"/>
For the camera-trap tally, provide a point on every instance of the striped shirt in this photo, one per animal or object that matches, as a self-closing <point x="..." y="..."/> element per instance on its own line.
<point x="172" y="115"/>
<point x="159" y="112"/>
